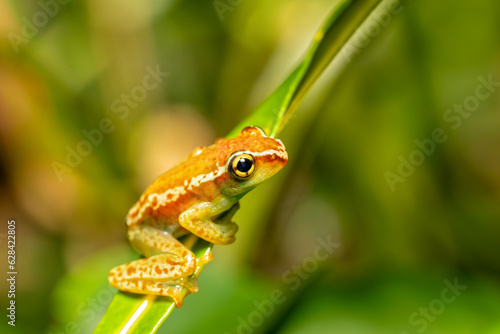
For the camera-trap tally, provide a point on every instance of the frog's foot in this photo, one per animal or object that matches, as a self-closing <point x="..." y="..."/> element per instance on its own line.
<point x="203" y="260"/>
<point x="158" y="275"/>
<point x="225" y="218"/>
<point x="165" y="272"/>
<point x="168" y="289"/>
<point x="225" y="221"/>
<point x="122" y="278"/>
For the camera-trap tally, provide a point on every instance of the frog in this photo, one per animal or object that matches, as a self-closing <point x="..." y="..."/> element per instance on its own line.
<point x="198" y="196"/>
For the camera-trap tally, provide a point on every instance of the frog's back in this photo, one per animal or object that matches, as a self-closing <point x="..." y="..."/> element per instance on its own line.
<point x="194" y="180"/>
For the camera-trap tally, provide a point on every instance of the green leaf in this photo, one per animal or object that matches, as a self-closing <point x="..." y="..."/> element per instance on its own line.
<point x="275" y="111"/>
<point x="129" y="313"/>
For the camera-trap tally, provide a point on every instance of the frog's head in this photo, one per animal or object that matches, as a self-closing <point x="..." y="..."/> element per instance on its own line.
<point x="250" y="159"/>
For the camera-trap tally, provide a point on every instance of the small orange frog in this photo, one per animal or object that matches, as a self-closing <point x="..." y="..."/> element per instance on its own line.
<point x="198" y="196"/>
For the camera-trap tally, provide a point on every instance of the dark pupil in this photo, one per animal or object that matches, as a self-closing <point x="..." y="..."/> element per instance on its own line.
<point x="244" y="165"/>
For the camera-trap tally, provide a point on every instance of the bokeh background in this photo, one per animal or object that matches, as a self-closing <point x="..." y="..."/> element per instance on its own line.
<point x="397" y="248"/>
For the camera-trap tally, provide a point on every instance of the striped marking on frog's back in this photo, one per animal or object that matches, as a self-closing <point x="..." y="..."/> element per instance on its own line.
<point x="158" y="203"/>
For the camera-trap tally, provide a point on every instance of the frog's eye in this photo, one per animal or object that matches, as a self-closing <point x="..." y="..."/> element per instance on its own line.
<point x="242" y="165"/>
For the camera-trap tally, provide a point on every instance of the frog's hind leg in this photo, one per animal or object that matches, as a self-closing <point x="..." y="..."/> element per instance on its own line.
<point x="165" y="272"/>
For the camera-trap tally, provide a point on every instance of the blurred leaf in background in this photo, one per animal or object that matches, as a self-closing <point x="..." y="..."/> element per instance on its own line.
<point x="97" y="98"/>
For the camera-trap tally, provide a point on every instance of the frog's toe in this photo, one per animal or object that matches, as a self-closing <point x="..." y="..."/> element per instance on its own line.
<point x="202" y="260"/>
<point x="232" y="228"/>
<point x="178" y="290"/>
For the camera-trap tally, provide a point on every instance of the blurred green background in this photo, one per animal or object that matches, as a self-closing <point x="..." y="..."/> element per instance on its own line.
<point x="70" y="67"/>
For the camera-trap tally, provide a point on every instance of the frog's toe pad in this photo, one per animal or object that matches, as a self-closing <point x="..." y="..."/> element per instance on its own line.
<point x="174" y="290"/>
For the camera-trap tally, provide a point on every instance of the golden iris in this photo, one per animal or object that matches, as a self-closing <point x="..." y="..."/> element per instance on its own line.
<point x="243" y="165"/>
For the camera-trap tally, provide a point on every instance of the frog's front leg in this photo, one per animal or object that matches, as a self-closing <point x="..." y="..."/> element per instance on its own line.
<point x="198" y="220"/>
<point x="225" y="218"/>
<point x="164" y="272"/>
